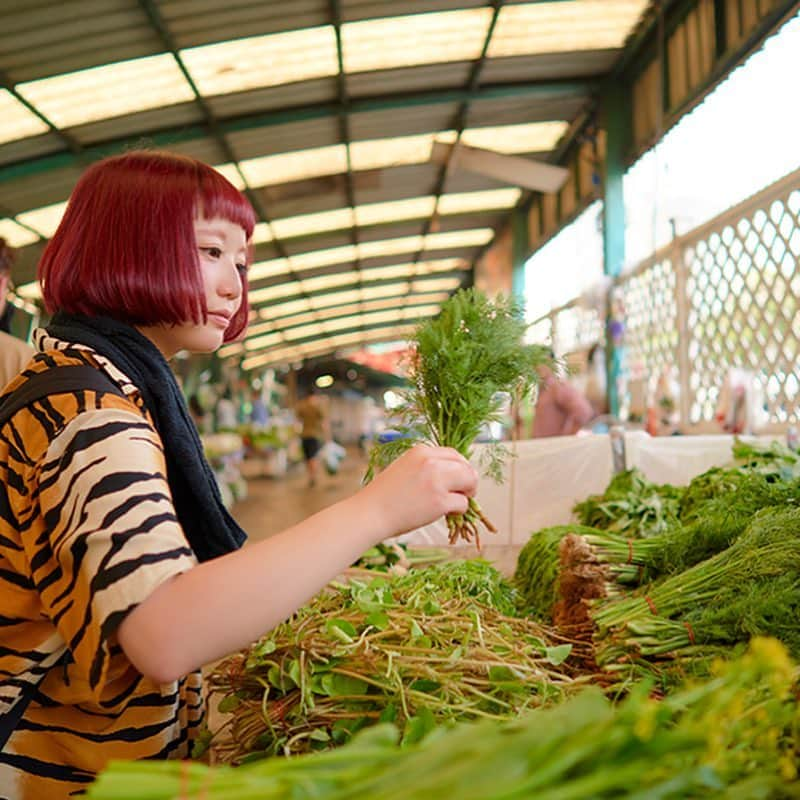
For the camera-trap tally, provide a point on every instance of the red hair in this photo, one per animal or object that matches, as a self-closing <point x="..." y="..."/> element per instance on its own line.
<point x="126" y="248"/>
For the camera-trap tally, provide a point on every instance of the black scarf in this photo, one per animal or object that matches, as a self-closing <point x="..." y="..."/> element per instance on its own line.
<point x="208" y="526"/>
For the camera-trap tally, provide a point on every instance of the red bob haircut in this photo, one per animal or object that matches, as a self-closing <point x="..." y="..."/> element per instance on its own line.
<point x="125" y="247"/>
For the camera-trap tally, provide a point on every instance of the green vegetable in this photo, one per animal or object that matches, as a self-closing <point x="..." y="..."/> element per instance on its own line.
<point x="731" y="737"/>
<point x="463" y="361"/>
<point x="751" y="588"/>
<point x="432" y="647"/>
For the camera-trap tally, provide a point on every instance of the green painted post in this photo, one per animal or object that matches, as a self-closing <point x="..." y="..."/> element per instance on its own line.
<point x="520" y="247"/>
<point x="616" y="114"/>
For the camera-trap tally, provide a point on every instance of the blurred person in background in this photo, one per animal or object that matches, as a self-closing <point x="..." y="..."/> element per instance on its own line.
<point x="561" y="409"/>
<point x="226" y="411"/>
<point x="314" y="423"/>
<point x="259" y="412"/>
<point x="14" y="353"/>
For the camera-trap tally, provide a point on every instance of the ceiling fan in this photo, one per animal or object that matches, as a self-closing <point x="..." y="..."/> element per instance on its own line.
<point x="514" y="170"/>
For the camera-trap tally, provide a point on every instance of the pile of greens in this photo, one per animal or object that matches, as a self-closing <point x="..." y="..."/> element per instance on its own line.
<point x="732" y="737"/>
<point x="463" y="362"/>
<point x="631" y="506"/>
<point x="435" y="646"/>
<point x="749" y="589"/>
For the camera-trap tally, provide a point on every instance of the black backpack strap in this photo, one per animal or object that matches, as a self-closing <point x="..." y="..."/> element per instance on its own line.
<point x="56" y="380"/>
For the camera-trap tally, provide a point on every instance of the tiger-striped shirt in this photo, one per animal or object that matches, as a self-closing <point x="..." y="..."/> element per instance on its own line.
<point x="87" y="531"/>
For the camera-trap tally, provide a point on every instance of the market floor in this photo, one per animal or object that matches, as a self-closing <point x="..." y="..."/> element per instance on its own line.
<point x="274" y="504"/>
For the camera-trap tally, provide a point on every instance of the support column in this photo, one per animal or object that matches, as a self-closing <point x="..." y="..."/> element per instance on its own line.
<point x="520" y="250"/>
<point x="616" y="116"/>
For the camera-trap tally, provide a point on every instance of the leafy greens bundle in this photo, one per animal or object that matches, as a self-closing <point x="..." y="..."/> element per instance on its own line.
<point x="463" y="361"/>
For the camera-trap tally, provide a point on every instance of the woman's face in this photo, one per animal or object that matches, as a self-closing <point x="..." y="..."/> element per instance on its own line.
<point x="222" y="252"/>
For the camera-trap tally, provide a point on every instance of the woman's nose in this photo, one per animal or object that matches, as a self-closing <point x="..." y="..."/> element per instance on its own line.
<point x="230" y="285"/>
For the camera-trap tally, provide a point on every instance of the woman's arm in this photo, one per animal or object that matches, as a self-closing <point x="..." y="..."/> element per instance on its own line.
<point x="223" y="605"/>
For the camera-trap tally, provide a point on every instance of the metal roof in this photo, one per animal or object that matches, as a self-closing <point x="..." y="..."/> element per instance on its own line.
<point x="313" y="106"/>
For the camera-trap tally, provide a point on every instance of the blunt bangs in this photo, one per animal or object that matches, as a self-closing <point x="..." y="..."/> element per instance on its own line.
<point x="126" y="247"/>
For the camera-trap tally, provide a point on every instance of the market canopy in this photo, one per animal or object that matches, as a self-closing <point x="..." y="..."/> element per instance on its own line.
<point x="360" y="138"/>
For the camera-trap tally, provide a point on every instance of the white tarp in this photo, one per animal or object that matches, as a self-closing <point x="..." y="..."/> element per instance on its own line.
<point x="548" y="476"/>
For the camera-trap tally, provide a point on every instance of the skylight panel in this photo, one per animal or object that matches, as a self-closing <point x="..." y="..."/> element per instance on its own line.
<point x="395" y="210"/>
<point x="322" y="282"/>
<point x="268" y="340"/>
<point x="273" y="292"/>
<point x="436" y="284"/>
<point x="323" y="258"/>
<point x="232" y="174"/>
<point x="465" y="202"/>
<point x="416" y="39"/>
<point x="308" y="224"/>
<point x="268" y="269"/>
<point x="304" y="332"/>
<point x="393" y="152"/>
<point x="295" y="166"/>
<point x="390" y="247"/>
<point x="109" y="90"/>
<point x="262" y="233"/>
<point x="16" y="235"/>
<point x="258" y="61"/>
<point x="283" y="309"/>
<point x="563" y="26"/>
<point x="16" y="121"/>
<point x="45" y="220"/>
<point x="398" y="290"/>
<point x="414" y="312"/>
<point x="440" y="265"/>
<point x="475" y="237"/>
<point x="230" y="350"/>
<point x="531" y="137"/>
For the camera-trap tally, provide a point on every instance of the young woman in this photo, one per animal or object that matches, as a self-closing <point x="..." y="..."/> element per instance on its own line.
<point x="120" y="570"/>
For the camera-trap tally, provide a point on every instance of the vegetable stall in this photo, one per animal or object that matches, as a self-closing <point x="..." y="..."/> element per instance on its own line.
<point x="647" y="645"/>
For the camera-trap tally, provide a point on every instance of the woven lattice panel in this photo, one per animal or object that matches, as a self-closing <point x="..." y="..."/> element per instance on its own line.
<point x="576" y="328"/>
<point x="743" y="308"/>
<point x="650" y="311"/>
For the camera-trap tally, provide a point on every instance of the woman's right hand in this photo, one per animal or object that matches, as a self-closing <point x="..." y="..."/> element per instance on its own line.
<point x="419" y="487"/>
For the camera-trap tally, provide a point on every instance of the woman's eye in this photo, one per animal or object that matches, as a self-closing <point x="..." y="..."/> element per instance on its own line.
<point x="214" y="252"/>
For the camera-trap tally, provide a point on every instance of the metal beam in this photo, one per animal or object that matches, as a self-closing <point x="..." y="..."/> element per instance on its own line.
<point x="72" y="144"/>
<point x="163" y="137"/>
<point x="212" y="123"/>
<point x="344" y="332"/>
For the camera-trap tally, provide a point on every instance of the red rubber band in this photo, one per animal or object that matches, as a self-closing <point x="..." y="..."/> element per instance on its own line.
<point x="689" y="631"/>
<point x="651" y="604"/>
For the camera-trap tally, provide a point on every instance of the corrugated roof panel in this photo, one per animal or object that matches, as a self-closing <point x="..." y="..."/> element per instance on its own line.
<point x="399" y="182"/>
<point x="353" y="10"/>
<point x="290" y="137"/>
<point x="258" y="61"/>
<point x="131" y="126"/>
<point x="276" y="98"/>
<point x="16" y="121"/>
<point x="447" y="75"/>
<point x="196" y="22"/>
<point x="37" y="190"/>
<point x="108" y="91"/>
<point x="305" y="197"/>
<point x="51" y="38"/>
<point x="403" y="229"/>
<point x="413" y="120"/>
<point x="416" y="39"/>
<point x="30" y="149"/>
<point x="564" y="25"/>
<point x="483" y="113"/>
<point x="549" y="66"/>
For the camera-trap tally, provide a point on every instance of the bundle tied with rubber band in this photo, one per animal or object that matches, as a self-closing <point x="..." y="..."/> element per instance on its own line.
<point x="679" y="623"/>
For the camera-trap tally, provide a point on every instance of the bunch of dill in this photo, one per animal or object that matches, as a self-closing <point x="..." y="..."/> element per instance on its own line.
<point x="463" y="362"/>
